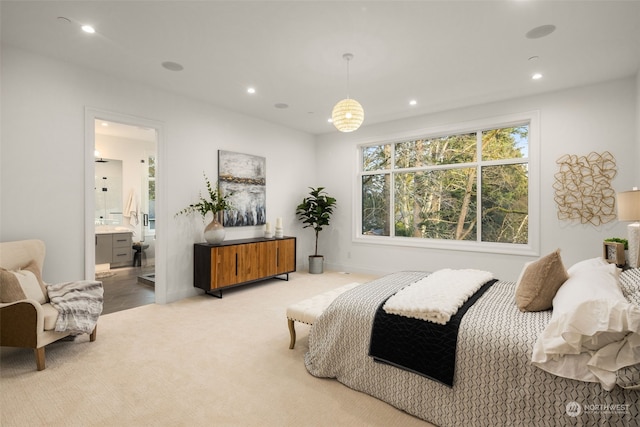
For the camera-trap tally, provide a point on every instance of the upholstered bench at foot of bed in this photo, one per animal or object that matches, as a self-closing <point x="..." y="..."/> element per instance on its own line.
<point x="308" y="310"/>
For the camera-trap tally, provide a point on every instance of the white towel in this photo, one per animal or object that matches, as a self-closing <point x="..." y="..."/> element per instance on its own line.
<point x="131" y="210"/>
<point x="438" y="296"/>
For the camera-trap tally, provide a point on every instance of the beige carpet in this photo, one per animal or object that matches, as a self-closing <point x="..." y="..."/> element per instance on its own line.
<point x="202" y="361"/>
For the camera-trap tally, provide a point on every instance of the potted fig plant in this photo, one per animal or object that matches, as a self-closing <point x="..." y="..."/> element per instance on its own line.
<point x="315" y="211"/>
<point x="214" y="232"/>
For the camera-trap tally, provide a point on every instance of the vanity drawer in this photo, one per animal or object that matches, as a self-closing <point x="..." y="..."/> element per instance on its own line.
<point x="121" y="256"/>
<point x="122" y="240"/>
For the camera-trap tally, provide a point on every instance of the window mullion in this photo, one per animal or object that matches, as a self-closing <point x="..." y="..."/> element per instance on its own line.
<point x="392" y="192"/>
<point x="479" y="186"/>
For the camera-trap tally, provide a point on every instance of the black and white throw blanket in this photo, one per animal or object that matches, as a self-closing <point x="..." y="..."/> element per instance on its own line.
<point x="495" y="383"/>
<point x="420" y="346"/>
<point x="79" y="304"/>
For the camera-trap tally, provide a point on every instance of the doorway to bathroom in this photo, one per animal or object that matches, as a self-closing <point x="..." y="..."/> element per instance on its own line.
<point x="124" y="224"/>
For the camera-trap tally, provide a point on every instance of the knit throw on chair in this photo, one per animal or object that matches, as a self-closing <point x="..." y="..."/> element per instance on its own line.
<point x="78" y="303"/>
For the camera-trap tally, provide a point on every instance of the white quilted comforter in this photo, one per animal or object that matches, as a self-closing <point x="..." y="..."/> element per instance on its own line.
<point x="495" y="383"/>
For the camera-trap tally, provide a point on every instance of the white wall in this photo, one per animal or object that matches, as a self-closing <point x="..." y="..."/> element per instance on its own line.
<point x="43" y="161"/>
<point x="578" y="121"/>
<point x="637" y="184"/>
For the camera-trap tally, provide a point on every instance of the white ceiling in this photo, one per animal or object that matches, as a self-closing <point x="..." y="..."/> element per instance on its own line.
<point x="444" y="54"/>
<point x="121" y="130"/>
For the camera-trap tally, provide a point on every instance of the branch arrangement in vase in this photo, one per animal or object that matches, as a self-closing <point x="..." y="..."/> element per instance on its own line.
<point x="216" y="202"/>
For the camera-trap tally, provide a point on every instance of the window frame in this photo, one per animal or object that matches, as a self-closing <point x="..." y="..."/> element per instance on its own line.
<point x="532" y="248"/>
<point x="146" y="179"/>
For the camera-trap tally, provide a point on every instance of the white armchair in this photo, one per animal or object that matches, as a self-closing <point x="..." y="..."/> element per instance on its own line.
<point x="27" y="323"/>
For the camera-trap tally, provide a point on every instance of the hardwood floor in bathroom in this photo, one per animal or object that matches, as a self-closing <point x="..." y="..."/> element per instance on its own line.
<point x="124" y="290"/>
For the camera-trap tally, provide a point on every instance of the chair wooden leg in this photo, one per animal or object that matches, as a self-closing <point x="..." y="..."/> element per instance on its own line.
<point x="292" y="333"/>
<point x="39" y="353"/>
<point x="92" y="337"/>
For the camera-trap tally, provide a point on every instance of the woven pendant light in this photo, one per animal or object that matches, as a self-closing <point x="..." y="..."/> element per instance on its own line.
<point x="347" y="115"/>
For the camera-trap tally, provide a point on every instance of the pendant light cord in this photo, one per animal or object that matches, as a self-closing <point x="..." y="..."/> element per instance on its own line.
<point x="348" y="57"/>
<point x="348" y="92"/>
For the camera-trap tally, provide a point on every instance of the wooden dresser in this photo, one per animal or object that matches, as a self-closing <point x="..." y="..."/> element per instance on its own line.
<point x="238" y="262"/>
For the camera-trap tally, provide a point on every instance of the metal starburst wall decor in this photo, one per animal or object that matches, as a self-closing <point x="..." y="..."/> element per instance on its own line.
<point x="583" y="189"/>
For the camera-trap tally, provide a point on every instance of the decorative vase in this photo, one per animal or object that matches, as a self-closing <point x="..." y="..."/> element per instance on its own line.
<point x="214" y="232"/>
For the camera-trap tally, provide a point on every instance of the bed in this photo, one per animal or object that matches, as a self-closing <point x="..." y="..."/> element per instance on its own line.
<point x="494" y="383"/>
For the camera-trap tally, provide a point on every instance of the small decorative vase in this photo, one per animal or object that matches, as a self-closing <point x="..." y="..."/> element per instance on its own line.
<point x="214" y="232"/>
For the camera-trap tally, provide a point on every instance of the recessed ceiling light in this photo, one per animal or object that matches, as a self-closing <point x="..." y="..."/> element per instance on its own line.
<point x="172" y="66"/>
<point x="536" y="76"/>
<point x="329" y="120"/>
<point x="541" y="31"/>
<point x="413" y="102"/>
<point x="88" y="29"/>
<point x="251" y="90"/>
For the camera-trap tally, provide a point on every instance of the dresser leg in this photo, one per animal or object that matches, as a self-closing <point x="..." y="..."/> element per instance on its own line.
<point x="214" y="295"/>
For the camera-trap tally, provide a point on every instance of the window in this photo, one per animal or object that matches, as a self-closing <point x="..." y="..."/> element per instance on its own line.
<point x="466" y="189"/>
<point x="150" y="184"/>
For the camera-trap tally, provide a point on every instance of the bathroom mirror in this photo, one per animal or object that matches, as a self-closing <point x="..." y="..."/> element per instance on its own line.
<point x="108" y="192"/>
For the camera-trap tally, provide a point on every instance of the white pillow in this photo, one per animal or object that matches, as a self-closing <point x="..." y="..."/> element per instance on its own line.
<point x="594" y="330"/>
<point x="587" y="264"/>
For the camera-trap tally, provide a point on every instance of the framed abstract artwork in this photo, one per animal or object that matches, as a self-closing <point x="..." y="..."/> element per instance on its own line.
<point x="243" y="178"/>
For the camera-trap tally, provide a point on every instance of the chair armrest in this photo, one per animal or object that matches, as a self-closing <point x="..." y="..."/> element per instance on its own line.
<point x="20" y="323"/>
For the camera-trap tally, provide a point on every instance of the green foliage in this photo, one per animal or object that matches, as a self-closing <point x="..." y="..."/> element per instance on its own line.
<point x="216" y="202"/>
<point x="619" y="240"/>
<point x="315" y="211"/>
<point x="435" y="198"/>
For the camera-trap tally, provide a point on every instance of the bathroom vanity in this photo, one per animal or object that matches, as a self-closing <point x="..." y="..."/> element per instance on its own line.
<point x="114" y="248"/>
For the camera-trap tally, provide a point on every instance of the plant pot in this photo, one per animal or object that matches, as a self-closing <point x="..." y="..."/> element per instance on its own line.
<point x="214" y="232"/>
<point x="316" y="264"/>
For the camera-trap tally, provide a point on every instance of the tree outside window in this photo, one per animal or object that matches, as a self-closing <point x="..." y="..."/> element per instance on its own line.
<point x="472" y="186"/>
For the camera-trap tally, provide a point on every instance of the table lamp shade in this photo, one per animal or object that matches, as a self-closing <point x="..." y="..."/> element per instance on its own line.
<point x="629" y="210"/>
<point x="629" y="206"/>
